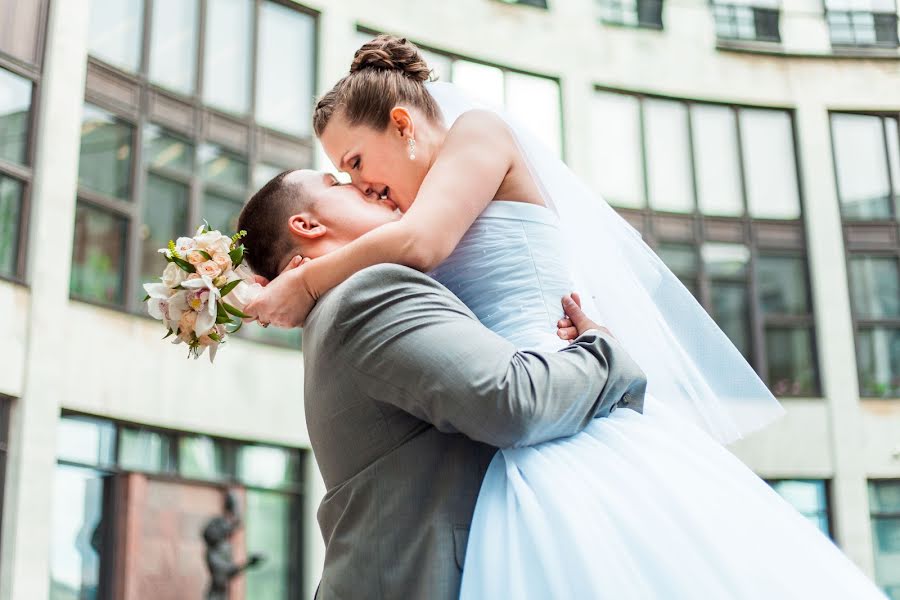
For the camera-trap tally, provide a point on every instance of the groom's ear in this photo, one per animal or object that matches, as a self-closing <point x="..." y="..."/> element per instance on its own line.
<point x="402" y="122"/>
<point x="306" y="227"/>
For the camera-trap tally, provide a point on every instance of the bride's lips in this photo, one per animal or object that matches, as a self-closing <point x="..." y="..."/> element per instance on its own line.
<point x="386" y="199"/>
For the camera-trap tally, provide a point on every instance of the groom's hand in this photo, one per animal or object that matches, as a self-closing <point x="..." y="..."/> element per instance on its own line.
<point x="575" y="321"/>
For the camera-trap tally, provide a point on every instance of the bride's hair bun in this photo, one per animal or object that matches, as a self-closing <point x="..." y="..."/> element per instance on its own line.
<point x="392" y="53"/>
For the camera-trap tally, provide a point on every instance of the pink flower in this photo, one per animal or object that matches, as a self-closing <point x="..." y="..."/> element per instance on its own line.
<point x="195" y="258"/>
<point x="186" y="324"/>
<point x="208" y="268"/>
<point x="222" y="259"/>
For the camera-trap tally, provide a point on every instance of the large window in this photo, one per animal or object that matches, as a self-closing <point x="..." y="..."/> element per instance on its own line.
<point x="862" y="23"/>
<point x="713" y="188"/>
<point x="747" y="20"/>
<point x="884" y="506"/>
<point x="190" y="106"/>
<point x="809" y="497"/>
<point x="21" y="41"/>
<point x="867" y="167"/>
<point x="534" y="100"/>
<point x="95" y="457"/>
<point x="632" y="13"/>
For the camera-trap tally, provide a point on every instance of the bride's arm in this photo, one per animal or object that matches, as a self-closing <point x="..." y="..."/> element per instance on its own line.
<point x="475" y="158"/>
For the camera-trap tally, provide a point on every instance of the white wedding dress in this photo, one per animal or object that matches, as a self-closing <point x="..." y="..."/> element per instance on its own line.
<point x="637" y="506"/>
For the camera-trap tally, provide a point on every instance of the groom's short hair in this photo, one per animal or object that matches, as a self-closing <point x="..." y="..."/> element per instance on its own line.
<point x="265" y="218"/>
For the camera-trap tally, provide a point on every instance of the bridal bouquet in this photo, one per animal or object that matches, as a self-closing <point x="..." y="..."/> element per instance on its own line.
<point x="203" y="290"/>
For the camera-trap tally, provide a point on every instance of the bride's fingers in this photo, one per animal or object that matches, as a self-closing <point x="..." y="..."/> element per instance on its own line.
<point x="295" y="262"/>
<point x="576" y="298"/>
<point x="563" y="323"/>
<point x="261" y="280"/>
<point x="567" y="333"/>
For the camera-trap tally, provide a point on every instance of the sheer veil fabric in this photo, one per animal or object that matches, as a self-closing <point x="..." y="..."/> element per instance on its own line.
<point x="691" y="365"/>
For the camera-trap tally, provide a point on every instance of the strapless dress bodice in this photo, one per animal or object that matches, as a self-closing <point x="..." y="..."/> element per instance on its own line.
<point x="508" y="270"/>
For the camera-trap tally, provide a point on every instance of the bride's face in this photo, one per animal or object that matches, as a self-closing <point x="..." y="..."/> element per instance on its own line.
<point x="378" y="162"/>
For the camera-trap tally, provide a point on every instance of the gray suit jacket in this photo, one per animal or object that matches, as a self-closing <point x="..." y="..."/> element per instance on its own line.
<point x="408" y="398"/>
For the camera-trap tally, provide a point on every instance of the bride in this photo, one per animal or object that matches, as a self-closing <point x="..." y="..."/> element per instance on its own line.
<point x="637" y="506"/>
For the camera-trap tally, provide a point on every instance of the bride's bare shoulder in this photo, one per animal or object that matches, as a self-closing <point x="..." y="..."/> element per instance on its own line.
<point x="482" y="126"/>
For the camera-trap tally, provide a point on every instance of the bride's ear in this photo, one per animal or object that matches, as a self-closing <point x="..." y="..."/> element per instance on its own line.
<point x="402" y="121"/>
<point x="306" y="227"/>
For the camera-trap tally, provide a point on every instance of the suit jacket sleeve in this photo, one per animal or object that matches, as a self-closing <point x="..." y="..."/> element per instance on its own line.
<point x="411" y="343"/>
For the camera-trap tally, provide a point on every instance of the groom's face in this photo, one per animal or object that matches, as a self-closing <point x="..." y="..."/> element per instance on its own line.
<point x="342" y="212"/>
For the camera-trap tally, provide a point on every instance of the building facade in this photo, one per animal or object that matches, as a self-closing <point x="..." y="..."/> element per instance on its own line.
<point x="754" y="143"/>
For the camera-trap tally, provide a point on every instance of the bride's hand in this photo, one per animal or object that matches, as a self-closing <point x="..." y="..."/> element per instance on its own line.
<point x="575" y="322"/>
<point x="285" y="301"/>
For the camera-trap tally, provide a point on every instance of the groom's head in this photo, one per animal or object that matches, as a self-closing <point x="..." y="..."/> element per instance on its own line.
<point x="308" y="213"/>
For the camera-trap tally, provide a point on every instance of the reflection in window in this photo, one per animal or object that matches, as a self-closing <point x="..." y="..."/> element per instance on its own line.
<point x="86" y="440"/>
<point x="767" y="141"/>
<point x="636" y="13"/>
<point x="98" y="259"/>
<point x="105" y="162"/>
<point x="535" y="101"/>
<point x="717" y="163"/>
<point x="861" y="159"/>
<point x="286" y="46"/>
<point x="201" y="457"/>
<point x="754" y="20"/>
<point x="227" y="63"/>
<point x="682" y="261"/>
<point x="884" y="507"/>
<point x="144" y="450"/>
<point x="165" y="218"/>
<point x="271" y="519"/>
<point x="482" y="82"/>
<point x="80" y="533"/>
<point x="115" y="30"/>
<point x="875" y="286"/>
<point x="21" y="25"/>
<point x="878" y="359"/>
<point x="221" y="212"/>
<point x="790" y="361"/>
<point x="668" y="159"/>
<point x="10" y="218"/>
<point x="866" y="23"/>
<point x="782" y="285"/>
<point x="266" y="466"/>
<point x="173" y="44"/>
<point x="15" y="105"/>
<point x="616" y="138"/>
<point x="809" y="497"/>
<point x="726" y="265"/>
<point x="221" y="167"/>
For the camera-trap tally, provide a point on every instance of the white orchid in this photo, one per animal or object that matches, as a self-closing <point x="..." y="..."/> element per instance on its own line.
<point x="206" y="309"/>
<point x="165" y="304"/>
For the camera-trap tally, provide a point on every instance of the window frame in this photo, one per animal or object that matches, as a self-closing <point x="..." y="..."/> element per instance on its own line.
<point x="874" y="46"/>
<point x="868" y="237"/>
<point x="137" y="101"/>
<point x="620" y="6"/>
<point x="25" y="173"/>
<point x="829" y="513"/>
<point x="761" y="236"/>
<point x="731" y="8"/>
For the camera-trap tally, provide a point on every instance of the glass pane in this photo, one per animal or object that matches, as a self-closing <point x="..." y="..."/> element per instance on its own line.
<point x="10" y="216"/>
<point x="271" y="523"/>
<point x="535" y="102"/>
<point x="165" y="218"/>
<point x="438" y="63"/>
<point x="226" y="66"/>
<point x="263" y="173"/>
<point x="105" y="163"/>
<point x="729" y="310"/>
<point x="266" y="466"/>
<point x="616" y="149"/>
<point x="725" y="260"/>
<point x="285" y="68"/>
<point x="809" y="498"/>
<point x="861" y="163"/>
<point x="484" y="83"/>
<point x="221" y="212"/>
<point x="98" y="258"/>
<point x="173" y="44"/>
<point x="201" y="457"/>
<point x="884" y="496"/>
<point x="164" y="151"/>
<point x="143" y="450"/>
<point x="792" y="366"/>
<point x="892" y="129"/>
<point x="115" y="31"/>
<point x="716" y="154"/>
<point x="875" y="287"/>
<point x="79" y="533"/>
<point x="223" y="168"/>
<point x="878" y="358"/>
<point x="15" y="103"/>
<point x="85" y="440"/>
<point x="681" y="259"/>
<point x="20" y="27"/>
<point x="782" y="285"/>
<point x="770" y="167"/>
<point x="668" y="156"/>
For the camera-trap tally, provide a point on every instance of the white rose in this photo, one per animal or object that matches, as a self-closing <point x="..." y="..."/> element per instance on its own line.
<point x="184" y="245"/>
<point x="173" y="275"/>
<point x="214" y="242"/>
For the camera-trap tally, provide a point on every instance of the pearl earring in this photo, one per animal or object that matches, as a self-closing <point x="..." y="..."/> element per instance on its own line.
<point x="412" y="149"/>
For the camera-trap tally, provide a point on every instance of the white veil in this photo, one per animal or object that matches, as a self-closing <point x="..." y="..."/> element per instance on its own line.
<point x="689" y="362"/>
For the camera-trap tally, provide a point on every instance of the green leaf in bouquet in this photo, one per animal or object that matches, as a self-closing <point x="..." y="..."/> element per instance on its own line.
<point x="205" y="254"/>
<point x="226" y="289"/>
<point x="221" y="314"/>
<point x="234" y="311"/>
<point x="168" y="334"/>
<point x="237" y="256"/>
<point x="237" y="236"/>
<point x="214" y="336"/>
<point x="236" y="327"/>
<point x="185" y="265"/>
<point x="147" y="297"/>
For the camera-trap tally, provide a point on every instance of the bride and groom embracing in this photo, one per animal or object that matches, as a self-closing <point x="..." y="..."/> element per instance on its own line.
<point x="477" y="438"/>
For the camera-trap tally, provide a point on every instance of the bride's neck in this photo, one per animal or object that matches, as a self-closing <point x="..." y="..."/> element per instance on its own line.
<point x="430" y="141"/>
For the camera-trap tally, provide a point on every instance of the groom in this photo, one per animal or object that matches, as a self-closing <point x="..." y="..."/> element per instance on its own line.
<point x="408" y="396"/>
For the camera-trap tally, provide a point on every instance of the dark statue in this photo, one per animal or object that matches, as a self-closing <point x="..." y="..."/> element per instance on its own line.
<point x="219" y="559"/>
